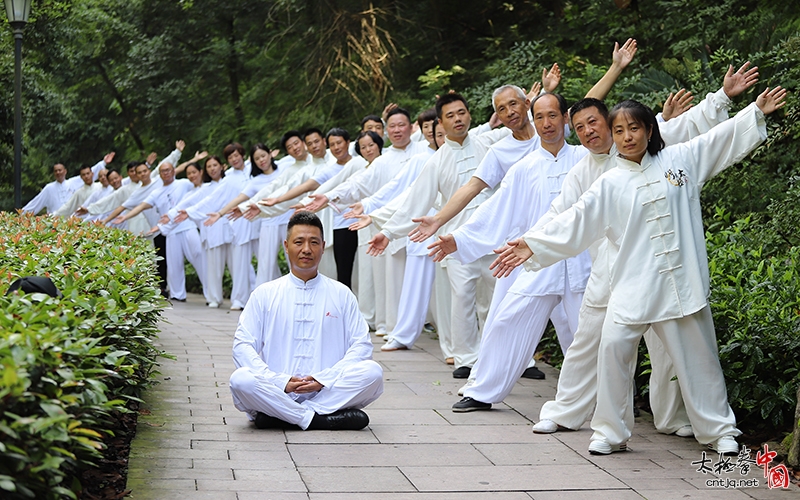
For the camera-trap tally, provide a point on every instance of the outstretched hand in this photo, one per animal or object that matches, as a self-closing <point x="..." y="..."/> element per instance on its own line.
<point x="377" y="244"/>
<point x="512" y="255"/>
<point x="179" y="145"/>
<point x="320" y="200"/>
<point x="735" y="83"/>
<point x="442" y="247"/>
<point x="551" y="79"/>
<point x="622" y="56"/>
<point x="389" y="107"/>
<point x="494" y="121"/>
<point x="677" y="104"/>
<point x="151" y="158"/>
<point x="81" y="211"/>
<point x="535" y="89"/>
<point x="199" y="155"/>
<point x="268" y="202"/>
<point x="213" y="217"/>
<point x="182" y="216"/>
<point x="428" y="225"/>
<point x="251" y="213"/>
<point x="356" y="209"/>
<point x="363" y="221"/>
<point x="109" y="157"/>
<point x="771" y="100"/>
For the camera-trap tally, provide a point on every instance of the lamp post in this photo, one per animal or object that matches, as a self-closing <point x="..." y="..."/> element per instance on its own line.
<point x="18" y="12"/>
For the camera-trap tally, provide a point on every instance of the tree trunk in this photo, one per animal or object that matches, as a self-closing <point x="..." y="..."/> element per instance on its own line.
<point x="794" y="448"/>
<point x="129" y="119"/>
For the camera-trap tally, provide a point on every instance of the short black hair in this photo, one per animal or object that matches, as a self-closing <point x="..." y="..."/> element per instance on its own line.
<point x="449" y="99"/>
<point x="588" y="102"/>
<point x="110" y="171"/>
<point x="338" y="132"/>
<point x="373" y="135"/>
<point x="84" y="167"/>
<point x="288" y="135"/>
<point x="562" y="103"/>
<point x="304" y="218"/>
<point x="370" y="118"/>
<point x="216" y="159"/>
<point x="133" y="164"/>
<point x="312" y="130"/>
<point x="643" y="115"/>
<point x="426" y="116"/>
<point x="398" y="111"/>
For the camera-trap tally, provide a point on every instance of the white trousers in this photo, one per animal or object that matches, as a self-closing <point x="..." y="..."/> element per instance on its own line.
<point x="243" y="275"/>
<point x="379" y="283"/>
<point x="417" y="287"/>
<point x="692" y="345"/>
<point x="359" y="385"/>
<point x="442" y="310"/>
<point x="185" y="244"/>
<point x="395" y="271"/>
<point x="270" y="241"/>
<point x="510" y="341"/>
<point x="577" y="382"/>
<point x="216" y="259"/>
<point x="471" y="287"/>
<point x="366" y="285"/>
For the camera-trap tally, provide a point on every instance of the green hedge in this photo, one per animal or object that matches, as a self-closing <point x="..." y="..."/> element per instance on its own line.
<point x="70" y="364"/>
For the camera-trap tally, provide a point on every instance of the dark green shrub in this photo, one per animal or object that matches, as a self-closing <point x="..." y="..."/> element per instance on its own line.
<point x="68" y="364"/>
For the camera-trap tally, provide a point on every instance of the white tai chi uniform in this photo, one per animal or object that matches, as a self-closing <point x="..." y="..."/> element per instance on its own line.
<point x="97" y="195"/>
<point x="267" y="256"/>
<point x="218" y="241"/>
<point x="419" y="271"/>
<point x="577" y="383"/>
<point x="515" y="328"/>
<point x="471" y="284"/>
<point x="77" y="199"/>
<point x="280" y="213"/>
<point x="650" y="213"/>
<point x="273" y="230"/>
<point x="54" y="194"/>
<point x="183" y="241"/>
<point x="364" y="184"/>
<point x="295" y="328"/>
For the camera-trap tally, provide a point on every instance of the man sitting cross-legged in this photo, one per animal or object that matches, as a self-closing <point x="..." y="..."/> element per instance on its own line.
<point x="302" y="348"/>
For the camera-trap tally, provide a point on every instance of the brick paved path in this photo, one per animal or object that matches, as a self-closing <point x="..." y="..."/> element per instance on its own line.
<point x="192" y="443"/>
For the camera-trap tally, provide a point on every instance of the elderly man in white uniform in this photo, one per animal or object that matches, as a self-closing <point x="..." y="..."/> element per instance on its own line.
<point x="82" y="193"/>
<point x="302" y="350"/>
<point x="648" y="209"/>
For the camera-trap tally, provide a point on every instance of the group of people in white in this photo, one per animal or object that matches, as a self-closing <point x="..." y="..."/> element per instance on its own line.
<point x="488" y="232"/>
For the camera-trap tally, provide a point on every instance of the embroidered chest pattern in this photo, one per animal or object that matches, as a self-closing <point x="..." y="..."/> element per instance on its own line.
<point x="676" y="180"/>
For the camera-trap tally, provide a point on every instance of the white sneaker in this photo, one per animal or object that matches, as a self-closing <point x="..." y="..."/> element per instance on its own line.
<point x="470" y="383"/>
<point x="381" y="333"/>
<point x="600" y="447"/>
<point x="545" y="426"/>
<point x="685" y="432"/>
<point x="213" y="305"/>
<point x="726" y="445"/>
<point x="393" y="345"/>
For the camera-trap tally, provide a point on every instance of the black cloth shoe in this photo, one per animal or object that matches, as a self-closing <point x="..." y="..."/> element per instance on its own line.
<point x="534" y="373"/>
<point x="469" y="404"/>
<point x="264" y="421"/>
<point x="462" y="372"/>
<point x="347" y="419"/>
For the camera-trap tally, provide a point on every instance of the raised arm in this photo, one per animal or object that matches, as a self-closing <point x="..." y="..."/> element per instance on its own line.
<point x="621" y="57"/>
<point x="305" y="187"/>
<point x="197" y="157"/>
<point x="141" y="207"/>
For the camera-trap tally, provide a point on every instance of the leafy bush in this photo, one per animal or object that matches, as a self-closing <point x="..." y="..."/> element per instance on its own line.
<point x="69" y="364"/>
<point x="755" y="299"/>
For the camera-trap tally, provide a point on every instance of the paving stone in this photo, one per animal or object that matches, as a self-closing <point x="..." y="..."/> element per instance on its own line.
<point x="528" y="454"/>
<point x="494" y="495"/>
<point x="375" y="455"/>
<point x="355" y="479"/>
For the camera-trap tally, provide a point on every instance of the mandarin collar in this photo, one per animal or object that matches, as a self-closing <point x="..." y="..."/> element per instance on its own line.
<point x="647" y="160"/>
<point x="600" y="157"/>
<point x="455" y="145"/>
<point x="313" y="282"/>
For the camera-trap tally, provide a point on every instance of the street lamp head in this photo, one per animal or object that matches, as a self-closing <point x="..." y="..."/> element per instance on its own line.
<point x="18" y="10"/>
